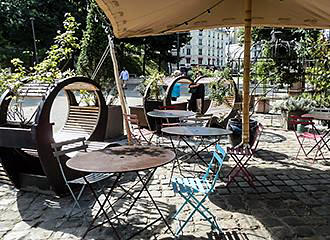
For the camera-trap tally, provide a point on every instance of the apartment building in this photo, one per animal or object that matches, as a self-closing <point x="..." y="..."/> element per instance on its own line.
<point x="208" y="47"/>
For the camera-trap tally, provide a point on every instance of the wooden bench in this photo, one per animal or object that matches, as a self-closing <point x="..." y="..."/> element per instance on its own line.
<point x="25" y="149"/>
<point x="34" y="90"/>
<point x="81" y="122"/>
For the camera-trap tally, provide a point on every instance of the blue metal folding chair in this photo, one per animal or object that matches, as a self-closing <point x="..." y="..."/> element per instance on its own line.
<point x="189" y="187"/>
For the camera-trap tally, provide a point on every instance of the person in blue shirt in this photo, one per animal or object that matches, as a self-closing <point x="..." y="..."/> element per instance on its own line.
<point x="124" y="76"/>
<point x="176" y="91"/>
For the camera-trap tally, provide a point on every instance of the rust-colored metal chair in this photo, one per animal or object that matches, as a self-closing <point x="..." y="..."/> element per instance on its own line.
<point x="304" y="129"/>
<point x="138" y="133"/>
<point x="241" y="155"/>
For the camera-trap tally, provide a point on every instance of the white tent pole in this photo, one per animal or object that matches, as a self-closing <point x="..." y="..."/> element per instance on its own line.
<point x="119" y="88"/>
<point x="246" y="78"/>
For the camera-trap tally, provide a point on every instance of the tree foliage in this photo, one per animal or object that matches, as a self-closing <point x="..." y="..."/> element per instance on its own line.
<point x="318" y="71"/>
<point x="52" y="67"/>
<point x="16" y="39"/>
<point x="140" y="56"/>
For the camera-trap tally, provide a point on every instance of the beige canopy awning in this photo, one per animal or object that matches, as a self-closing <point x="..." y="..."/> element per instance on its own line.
<point x="152" y="17"/>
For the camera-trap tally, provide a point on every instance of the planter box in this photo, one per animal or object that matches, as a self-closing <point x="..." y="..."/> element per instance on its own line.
<point x="263" y="106"/>
<point x="115" y="127"/>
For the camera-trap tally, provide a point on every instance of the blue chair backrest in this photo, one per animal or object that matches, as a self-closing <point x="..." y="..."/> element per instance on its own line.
<point x="219" y="154"/>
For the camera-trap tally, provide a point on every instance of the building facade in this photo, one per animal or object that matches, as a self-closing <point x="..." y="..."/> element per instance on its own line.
<point x="208" y="47"/>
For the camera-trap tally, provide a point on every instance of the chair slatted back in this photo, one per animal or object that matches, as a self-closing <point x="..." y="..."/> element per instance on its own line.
<point x="202" y="120"/>
<point x="67" y="147"/>
<point x="132" y="118"/>
<point x="167" y="107"/>
<point x="34" y="90"/>
<point x="249" y="150"/>
<point x="257" y="136"/>
<point x="81" y="121"/>
<point x="134" y="125"/>
<point x="295" y="120"/>
<point x="219" y="155"/>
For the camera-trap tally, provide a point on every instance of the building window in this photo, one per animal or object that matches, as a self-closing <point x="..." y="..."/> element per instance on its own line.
<point x="188" y="60"/>
<point x="200" y="33"/>
<point x="208" y="43"/>
<point x="200" y="60"/>
<point x="221" y="36"/>
<point x="209" y="61"/>
<point x="221" y="62"/>
<point x="218" y="61"/>
<point x="200" y="42"/>
<point x="200" y="51"/>
<point x="188" y="51"/>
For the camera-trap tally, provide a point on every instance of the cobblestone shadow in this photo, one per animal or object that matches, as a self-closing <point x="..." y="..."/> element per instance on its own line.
<point x="48" y="215"/>
<point x="289" y="203"/>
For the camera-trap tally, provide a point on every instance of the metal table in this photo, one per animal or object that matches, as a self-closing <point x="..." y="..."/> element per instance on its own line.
<point x="170" y="114"/>
<point x="186" y="132"/>
<point x="320" y="116"/>
<point x="120" y="160"/>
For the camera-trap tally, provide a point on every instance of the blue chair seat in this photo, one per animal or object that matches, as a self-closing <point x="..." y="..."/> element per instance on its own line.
<point x="196" y="190"/>
<point x="189" y="185"/>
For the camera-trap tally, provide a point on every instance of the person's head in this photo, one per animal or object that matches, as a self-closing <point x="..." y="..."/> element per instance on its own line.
<point x="124" y="68"/>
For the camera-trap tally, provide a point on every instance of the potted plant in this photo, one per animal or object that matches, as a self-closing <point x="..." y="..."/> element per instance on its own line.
<point x="263" y="72"/>
<point x="293" y="106"/>
<point x="153" y="92"/>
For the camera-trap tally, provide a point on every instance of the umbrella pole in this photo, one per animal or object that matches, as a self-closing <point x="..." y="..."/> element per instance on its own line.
<point x="246" y="77"/>
<point x="119" y="88"/>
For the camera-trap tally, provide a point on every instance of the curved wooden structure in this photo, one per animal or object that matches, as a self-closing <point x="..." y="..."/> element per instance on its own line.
<point x="228" y="109"/>
<point x="25" y="151"/>
<point x="221" y="114"/>
<point x="167" y="100"/>
<point x="150" y="105"/>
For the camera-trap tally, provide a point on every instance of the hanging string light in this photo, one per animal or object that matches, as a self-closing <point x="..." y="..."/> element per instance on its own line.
<point x="193" y="18"/>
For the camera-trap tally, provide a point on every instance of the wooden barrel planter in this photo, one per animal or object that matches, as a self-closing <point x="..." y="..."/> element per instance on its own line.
<point x="25" y="150"/>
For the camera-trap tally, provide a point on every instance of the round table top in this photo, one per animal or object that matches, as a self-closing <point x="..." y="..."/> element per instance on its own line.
<point x="170" y="114"/>
<point x="196" y="131"/>
<point x="121" y="159"/>
<point x="318" y="115"/>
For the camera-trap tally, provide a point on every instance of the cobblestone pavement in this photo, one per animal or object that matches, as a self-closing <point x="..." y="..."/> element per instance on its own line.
<point x="291" y="201"/>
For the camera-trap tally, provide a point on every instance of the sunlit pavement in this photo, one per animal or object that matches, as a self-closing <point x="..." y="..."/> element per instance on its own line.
<point x="291" y="200"/>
